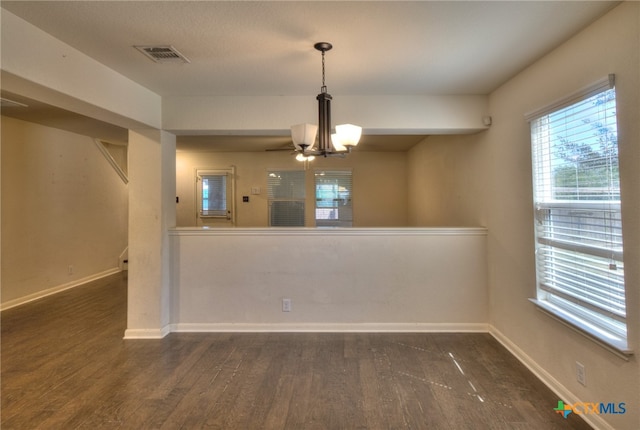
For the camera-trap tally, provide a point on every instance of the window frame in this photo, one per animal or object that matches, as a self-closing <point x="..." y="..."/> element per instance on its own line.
<point x="229" y="174"/>
<point x="600" y="321"/>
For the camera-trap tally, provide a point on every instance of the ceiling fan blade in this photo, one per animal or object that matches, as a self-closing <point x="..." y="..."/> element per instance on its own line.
<point x="281" y="149"/>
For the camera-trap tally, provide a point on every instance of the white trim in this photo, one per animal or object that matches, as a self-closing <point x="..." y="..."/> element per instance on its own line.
<point x="609" y="341"/>
<point x="602" y="84"/>
<point x="328" y="231"/>
<point x="331" y="327"/>
<point x="54" y="290"/>
<point x="547" y="379"/>
<point x="147" y="333"/>
<point x="112" y="162"/>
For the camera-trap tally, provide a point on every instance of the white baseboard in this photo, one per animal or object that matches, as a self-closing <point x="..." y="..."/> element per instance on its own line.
<point x="50" y="291"/>
<point x="133" y="333"/>
<point x="331" y="327"/>
<point x="146" y="333"/>
<point x="552" y="383"/>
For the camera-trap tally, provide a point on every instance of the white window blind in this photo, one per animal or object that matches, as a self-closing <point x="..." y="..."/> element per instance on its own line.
<point x="578" y="227"/>
<point x="333" y="198"/>
<point x="285" y="189"/>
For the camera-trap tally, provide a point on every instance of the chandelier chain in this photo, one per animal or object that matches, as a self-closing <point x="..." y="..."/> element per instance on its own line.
<point x="324" y="87"/>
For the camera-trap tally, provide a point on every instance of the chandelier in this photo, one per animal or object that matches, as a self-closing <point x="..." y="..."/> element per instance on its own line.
<point x="328" y="144"/>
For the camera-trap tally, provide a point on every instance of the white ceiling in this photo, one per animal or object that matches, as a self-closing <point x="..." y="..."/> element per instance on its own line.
<point x="266" y="47"/>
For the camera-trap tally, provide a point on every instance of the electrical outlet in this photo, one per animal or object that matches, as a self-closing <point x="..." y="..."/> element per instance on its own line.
<point x="581" y="375"/>
<point x="286" y="305"/>
<point x="70" y="270"/>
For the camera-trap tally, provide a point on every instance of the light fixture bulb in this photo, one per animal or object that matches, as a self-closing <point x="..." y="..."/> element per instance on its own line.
<point x="302" y="157"/>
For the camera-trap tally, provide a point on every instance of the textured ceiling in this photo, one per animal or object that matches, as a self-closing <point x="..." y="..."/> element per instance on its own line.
<point x="266" y="47"/>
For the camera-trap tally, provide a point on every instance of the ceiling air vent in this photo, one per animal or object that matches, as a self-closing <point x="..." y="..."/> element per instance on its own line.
<point x="163" y="54"/>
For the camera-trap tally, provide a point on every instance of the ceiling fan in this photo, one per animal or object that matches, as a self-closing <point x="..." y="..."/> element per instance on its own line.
<point x="290" y="147"/>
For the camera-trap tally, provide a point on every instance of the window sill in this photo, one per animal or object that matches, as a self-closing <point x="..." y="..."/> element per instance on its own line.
<point x="613" y="343"/>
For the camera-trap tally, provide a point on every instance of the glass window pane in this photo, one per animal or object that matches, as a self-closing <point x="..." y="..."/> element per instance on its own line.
<point x="579" y="249"/>
<point x="286" y="194"/>
<point x="333" y="198"/>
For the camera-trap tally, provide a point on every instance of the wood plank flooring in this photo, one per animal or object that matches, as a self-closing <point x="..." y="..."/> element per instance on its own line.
<point x="65" y="366"/>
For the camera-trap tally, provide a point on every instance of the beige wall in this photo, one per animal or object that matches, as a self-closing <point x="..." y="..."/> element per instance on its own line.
<point x="62" y="204"/>
<point x="446" y="181"/>
<point x="379" y="184"/>
<point x="485" y="179"/>
<point x="611" y="45"/>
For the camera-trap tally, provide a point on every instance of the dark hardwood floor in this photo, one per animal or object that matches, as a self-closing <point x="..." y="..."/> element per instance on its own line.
<point x="66" y="366"/>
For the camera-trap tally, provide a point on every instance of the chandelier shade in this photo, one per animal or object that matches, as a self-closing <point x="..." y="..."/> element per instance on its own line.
<point x="348" y="134"/>
<point x="337" y="144"/>
<point x="304" y="135"/>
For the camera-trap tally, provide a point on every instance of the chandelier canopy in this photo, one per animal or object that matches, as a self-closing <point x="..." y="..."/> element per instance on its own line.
<point x="329" y="144"/>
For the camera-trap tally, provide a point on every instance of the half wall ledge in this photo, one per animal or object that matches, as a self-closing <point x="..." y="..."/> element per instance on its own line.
<point x="335" y="279"/>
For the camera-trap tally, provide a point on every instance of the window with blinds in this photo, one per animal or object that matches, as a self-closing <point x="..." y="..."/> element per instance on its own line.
<point x="333" y="198"/>
<point x="285" y="189"/>
<point x="578" y="227"/>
